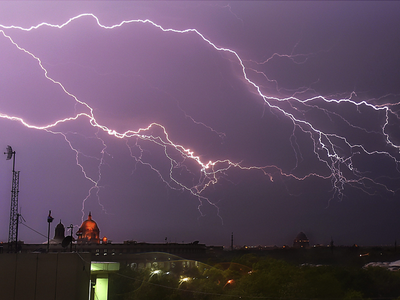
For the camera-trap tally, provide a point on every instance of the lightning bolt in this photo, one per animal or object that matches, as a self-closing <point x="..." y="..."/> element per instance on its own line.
<point x="334" y="150"/>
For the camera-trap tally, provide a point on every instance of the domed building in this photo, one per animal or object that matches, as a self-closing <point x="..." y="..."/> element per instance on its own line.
<point x="89" y="232"/>
<point x="59" y="235"/>
<point x="301" y="241"/>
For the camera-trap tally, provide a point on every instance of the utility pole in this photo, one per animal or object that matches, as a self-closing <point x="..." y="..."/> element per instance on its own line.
<point x="49" y="220"/>
<point x="14" y="216"/>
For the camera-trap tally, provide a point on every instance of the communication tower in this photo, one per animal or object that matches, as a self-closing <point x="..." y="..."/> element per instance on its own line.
<point x="14" y="215"/>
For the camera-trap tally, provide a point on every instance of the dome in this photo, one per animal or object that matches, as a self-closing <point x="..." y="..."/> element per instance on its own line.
<point x="59" y="232"/>
<point x="89" y="232"/>
<point x="58" y="236"/>
<point x="301" y="241"/>
<point x="301" y="236"/>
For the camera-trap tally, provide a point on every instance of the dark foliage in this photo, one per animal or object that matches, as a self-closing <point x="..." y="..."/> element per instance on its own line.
<point x="251" y="276"/>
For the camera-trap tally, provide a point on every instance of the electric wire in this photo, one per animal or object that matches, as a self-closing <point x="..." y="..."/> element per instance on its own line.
<point x="34" y="230"/>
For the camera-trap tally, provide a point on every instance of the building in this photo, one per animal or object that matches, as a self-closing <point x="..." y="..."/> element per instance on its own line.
<point x="89" y="232"/>
<point x="103" y="250"/>
<point x="301" y="241"/>
<point x="89" y="241"/>
<point x="59" y="234"/>
<point x="58" y="276"/>
<point x="80" y="270"/>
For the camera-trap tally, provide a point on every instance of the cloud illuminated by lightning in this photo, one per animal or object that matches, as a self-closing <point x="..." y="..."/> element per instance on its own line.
<point x="334" y="150"/>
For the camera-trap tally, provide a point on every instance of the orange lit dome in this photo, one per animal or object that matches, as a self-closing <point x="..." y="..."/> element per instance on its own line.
<point x="89" y="232"/>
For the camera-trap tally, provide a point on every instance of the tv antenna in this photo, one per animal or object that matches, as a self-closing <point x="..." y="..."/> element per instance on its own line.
<point x="68" y="239"/>
<point x="14" y="215"/>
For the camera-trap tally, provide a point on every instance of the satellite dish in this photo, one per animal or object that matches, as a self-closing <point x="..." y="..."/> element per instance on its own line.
<point x="66" y="241"/>
<point x="9" y="152"/>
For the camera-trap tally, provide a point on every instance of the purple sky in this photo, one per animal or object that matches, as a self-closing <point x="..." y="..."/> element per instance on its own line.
<point x="294" y="104"/>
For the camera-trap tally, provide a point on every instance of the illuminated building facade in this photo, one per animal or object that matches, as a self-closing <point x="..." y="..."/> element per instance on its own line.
<point x="89" y="232"/>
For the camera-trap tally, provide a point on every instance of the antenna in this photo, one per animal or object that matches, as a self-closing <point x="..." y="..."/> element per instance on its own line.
<point x="68" y="239"/>
<point x="14" y="216"/>
<point x="16" y="229"/>
<point x="9" y="152"/>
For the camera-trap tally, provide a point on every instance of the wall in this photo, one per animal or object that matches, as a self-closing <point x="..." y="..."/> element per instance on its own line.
<point x="42" y="276"/>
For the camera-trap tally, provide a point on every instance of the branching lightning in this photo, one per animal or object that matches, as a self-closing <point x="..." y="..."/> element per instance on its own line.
<point x="333" y="150"/>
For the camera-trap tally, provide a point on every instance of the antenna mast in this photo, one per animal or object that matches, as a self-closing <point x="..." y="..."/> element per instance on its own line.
<point x="14" y="216"/>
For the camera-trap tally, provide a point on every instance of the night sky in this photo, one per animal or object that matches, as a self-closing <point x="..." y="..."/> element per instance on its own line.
<point x="259" y="118"/>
